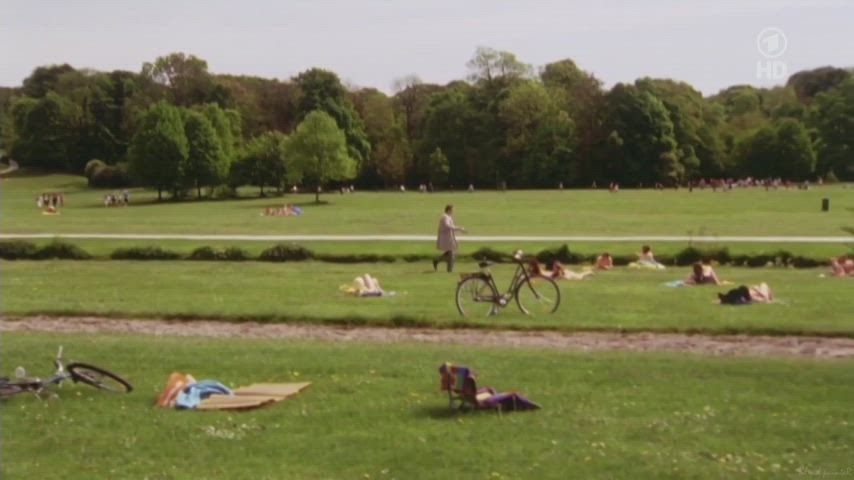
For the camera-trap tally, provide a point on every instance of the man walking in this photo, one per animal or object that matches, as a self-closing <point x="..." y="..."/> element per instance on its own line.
<point x="446" y="240"/>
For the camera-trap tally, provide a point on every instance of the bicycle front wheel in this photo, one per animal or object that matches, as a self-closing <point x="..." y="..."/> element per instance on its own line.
<point x="476" y="298"/>
<point x="98" y="378"/>
<point x="538" y="296"/>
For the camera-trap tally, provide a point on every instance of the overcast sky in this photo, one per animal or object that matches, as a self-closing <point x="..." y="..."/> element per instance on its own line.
<point x="710" y="44"/>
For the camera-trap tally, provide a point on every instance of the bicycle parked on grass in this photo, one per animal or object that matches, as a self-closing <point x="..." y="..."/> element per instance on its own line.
<point x="76" y="372"/>
<point x="477" y="293"/>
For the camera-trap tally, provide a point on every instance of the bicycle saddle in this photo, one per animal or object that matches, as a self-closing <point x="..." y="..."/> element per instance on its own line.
<point x="484" y="263"/>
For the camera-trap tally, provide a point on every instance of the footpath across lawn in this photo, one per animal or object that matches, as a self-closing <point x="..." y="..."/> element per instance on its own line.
<point x="376" y="412"/>
<point x="309" y="291"/>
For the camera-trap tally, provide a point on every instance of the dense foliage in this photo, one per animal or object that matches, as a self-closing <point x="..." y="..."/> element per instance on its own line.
<point x="182" y="129"/>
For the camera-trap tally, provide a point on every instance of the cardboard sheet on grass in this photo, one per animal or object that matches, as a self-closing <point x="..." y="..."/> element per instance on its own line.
<point x="253" y="396"/>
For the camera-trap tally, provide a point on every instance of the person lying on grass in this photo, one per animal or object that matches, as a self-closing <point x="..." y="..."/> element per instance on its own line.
<point x="745" y="295"/>
<point x="842" y="266"/>
<point x="604" y="262"/>
<point x="365" y="286"/>
<point x="558" y="271"/>
<point x="647" y="259"/>
<point x="703" y="274"/>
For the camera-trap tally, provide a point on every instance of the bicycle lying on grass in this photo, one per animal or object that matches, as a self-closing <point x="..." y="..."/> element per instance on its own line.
<point x="76" y="372"/>
<point x="477" y="293"/>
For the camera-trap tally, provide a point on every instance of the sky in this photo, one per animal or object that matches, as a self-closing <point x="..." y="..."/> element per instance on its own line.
<point x="370" y="43"/>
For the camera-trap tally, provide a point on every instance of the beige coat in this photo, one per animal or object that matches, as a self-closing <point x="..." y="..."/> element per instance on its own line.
<point x="446" y="239"/>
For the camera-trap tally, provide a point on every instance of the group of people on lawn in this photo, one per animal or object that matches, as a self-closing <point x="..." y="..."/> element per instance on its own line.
<point x="702" y="273"/>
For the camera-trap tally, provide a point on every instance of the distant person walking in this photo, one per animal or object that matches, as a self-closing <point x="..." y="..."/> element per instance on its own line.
<point x="446" y="239"/>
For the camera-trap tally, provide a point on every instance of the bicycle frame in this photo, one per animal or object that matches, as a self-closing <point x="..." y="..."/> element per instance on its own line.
<point x="36" y="386"/>
<point x="520" y="277"/>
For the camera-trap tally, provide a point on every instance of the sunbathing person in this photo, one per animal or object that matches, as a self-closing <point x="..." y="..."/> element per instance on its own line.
<point x="647" y="260"/>
<point x="604" y="262"/>
<point x="702" y="274"/>
<point x="744" y="295"/>
<point x="558" y="272"/>
<point x="365" y="286"/>
<point x="561" y="273"/>
<point x="842" y="266"/>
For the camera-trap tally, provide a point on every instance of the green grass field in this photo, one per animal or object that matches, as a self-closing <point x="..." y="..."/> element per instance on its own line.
<point x="377" y="413"/>
<point x="572" y="212"/>
<point x="620" y="299"/>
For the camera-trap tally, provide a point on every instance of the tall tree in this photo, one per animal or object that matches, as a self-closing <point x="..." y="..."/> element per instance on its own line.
<point x="207" y="163"/>
<point x="159" y="149"/>
<point x="318" y="151"/>
<point x="185" y="76"/>
<point x="641" y="142"/>
<point x="322" y="90"/>
<point x="42" y="131"/>
<point x="833" y="118"/>
<point x="264" y="162"/>
<point x="539" y="137"/>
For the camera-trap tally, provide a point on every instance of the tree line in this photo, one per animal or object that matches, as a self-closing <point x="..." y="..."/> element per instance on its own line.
<point x="178" y="128"/>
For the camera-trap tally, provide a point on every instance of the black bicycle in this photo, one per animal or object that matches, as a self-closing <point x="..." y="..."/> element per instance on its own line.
<point x="477" y="293"/>
<point x="76" y="372"/>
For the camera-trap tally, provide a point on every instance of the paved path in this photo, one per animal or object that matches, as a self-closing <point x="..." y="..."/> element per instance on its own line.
<point x="749" y="345"/>
<point x="430" y="238"/>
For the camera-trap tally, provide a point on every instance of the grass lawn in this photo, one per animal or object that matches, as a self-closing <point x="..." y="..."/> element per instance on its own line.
<point x="620" y="299"/>
<point x="376" y="413"/>
<point x="571" y="212"/>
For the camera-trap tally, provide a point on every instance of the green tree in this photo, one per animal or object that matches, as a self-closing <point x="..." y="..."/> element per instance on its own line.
<point x="809" y="83"/>
<point x="159" y="149"/>
<point x="833" y="118"/>
<point x="207" y="164"/>
<point x="796" y="156"/>
<point x="42" y="131"/>
<point x="783" y="149"/>
<point x="439" y="167"/>
<point x="539" y="136"/>
<point x="319" y="89"/>
<point x="580" y="94"/>
<point x="263" y="162"/>
<point x="318" y="151"/>
<point x="640" y="140"/>
<point x="185" y="76"/>
<point x="489" y="64"/>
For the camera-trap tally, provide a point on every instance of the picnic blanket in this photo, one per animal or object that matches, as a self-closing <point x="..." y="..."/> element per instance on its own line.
<point x="184" y="392"/>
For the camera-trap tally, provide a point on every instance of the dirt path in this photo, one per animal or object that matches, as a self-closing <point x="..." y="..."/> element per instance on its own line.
<point x="815" y="347"/>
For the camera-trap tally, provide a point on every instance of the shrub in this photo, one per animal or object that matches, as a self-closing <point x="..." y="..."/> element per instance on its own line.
<point x="61" y="250"/>
<point x="210" y="253"/>
<point x="623" y="260"/>
<point x="286" y="253"/>
<point x="17" y="250"/>
<point x="561" y="254"/>
<point x="804" y="262"/>
<point x="91" y="167"/>
<point x="688" y="256"/>
<point x="486" y="253"/>
<point x="110" y="177"/>
<point x="416" y="258"/>
<point x="357" y="258"/>
<point x="144" y="253"/>
<point x="205" y="253"/>
<point x="236" y="254"/>
<point x="760" y="260"/>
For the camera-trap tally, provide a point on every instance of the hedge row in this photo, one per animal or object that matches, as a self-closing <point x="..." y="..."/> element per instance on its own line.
<point x="22" y="250"/>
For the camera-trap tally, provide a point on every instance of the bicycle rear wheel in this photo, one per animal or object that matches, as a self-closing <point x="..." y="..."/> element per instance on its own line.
<point x="98" y="378"/>
<point x="538" y="296"/>
<point x="476" y="298"/>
